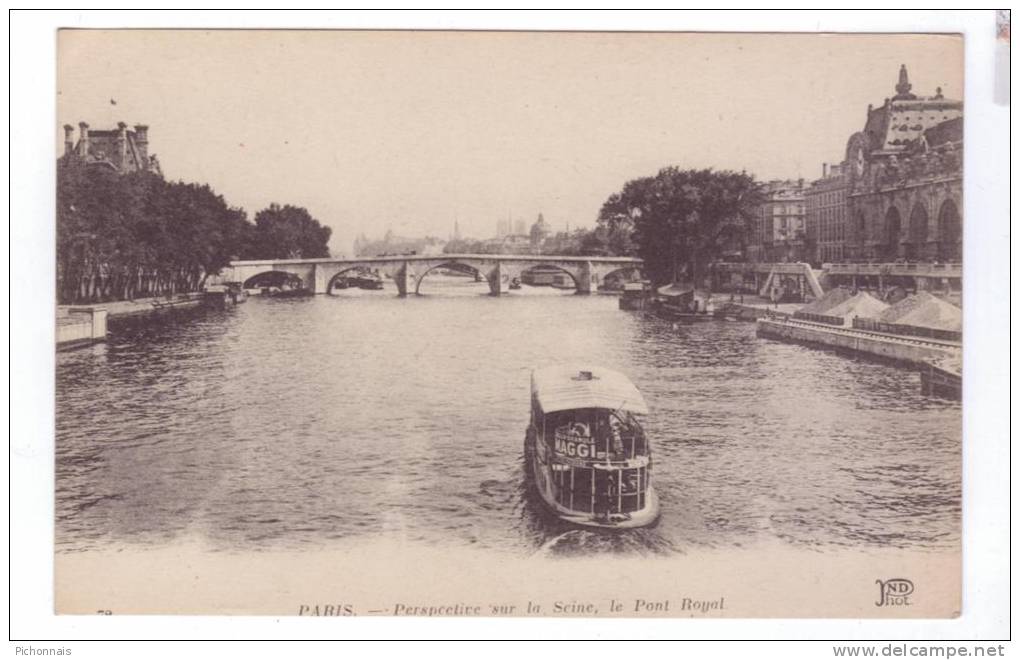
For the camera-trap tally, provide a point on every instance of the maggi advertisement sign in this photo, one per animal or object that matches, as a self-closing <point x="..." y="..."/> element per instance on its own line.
<point x="575" y="445"/>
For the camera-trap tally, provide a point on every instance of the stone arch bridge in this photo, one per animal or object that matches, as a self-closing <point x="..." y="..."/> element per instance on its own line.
<point x="408" y="271"/>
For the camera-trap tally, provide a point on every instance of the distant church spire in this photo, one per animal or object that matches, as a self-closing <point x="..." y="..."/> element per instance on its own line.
<point x="903" y="86"/>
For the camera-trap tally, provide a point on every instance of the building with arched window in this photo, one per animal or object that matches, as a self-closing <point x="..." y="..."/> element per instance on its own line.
<point x="905" y="180"/>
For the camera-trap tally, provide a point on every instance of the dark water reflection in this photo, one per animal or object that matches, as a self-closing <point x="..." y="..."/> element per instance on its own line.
<point x="296" y="423"/>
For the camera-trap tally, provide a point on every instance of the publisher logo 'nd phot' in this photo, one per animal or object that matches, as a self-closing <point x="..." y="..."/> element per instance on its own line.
<point x="894" y="591"/>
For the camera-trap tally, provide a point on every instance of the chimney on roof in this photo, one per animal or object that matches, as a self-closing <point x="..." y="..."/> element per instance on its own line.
<point x="68" y="139"/>
<point x="83" y="141"/>
<point x="121" y="144"/>
<point x="825" y="170"/>
<point x="142" y="145"/>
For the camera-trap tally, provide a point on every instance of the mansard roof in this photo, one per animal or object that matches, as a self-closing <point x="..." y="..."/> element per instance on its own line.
<point x="905" y="117"/>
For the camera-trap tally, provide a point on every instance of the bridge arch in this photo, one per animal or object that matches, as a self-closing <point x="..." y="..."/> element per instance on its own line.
<point x="452" y="264"/>
<point x="271" y="278"/>
<point x="546" y="266"/>
<point x="605" y="275"/>
<point x="341" y="273"/>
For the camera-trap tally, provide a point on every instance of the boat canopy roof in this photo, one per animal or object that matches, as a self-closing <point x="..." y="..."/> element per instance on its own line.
<point x="572" y="387"/>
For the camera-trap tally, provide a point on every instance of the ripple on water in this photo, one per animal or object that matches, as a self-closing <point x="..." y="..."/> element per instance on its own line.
<point x="292" y="423"/>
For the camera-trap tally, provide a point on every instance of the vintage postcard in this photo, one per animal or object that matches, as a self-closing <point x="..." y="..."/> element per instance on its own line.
<point x="508" y="324"/>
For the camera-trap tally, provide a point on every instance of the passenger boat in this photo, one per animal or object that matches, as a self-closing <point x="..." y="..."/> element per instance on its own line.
<point x="590" y="460"/>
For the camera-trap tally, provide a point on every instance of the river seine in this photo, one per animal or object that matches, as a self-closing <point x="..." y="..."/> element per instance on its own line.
<point x="295" y="423"/>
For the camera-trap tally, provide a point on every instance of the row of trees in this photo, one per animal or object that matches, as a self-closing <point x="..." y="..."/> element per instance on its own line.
<point x="125" y="236"/>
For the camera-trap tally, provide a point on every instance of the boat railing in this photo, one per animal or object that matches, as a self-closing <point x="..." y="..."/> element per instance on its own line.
<point x="602" y="488"/>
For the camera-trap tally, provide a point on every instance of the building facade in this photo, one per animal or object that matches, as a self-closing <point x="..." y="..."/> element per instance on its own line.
<point x="120" y="149"/>
<point x="905" y="180"/>
<point x="825" y="203"/>
<point x="778" y="232"/>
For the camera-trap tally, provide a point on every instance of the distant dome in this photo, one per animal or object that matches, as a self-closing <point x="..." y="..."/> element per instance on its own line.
<point x="539" y="230"/>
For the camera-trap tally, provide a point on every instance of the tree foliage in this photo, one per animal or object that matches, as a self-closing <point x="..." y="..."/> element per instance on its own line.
<point x="124" y="236"/>
<point x="288" y="232"/>
<point x="679" y="221"/>
<point x="579" y="242"/>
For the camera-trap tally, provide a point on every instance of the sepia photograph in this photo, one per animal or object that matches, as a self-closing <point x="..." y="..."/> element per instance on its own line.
<point x="509" y="294"/>
<point x="509" y="323"/>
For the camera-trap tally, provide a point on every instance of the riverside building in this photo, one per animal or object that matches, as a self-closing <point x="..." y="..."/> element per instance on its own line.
<point x="778" y="232"/>
<point x="119" y="149"/>
<point x="905" y="180"/>
<point x="825" y="205"/>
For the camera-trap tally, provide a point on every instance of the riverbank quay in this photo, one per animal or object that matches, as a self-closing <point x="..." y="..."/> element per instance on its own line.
<point x="80" y="326"/>
<point x="915" y="351"/>
<point x="83" y="325"/>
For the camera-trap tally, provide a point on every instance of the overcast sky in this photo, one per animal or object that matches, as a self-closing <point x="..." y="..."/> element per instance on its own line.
<point x="409" y="130"/>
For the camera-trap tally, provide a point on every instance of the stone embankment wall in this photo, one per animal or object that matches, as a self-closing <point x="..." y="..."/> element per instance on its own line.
<point x="901" y="349"/>
<point x="80" y="325"/>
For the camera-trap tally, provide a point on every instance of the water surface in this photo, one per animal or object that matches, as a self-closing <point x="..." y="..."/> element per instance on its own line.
<point x="306" y="422"/>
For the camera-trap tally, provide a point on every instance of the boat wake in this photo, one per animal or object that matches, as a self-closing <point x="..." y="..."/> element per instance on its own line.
<point x="564" y="540"/>
<point x="579" y="542"/>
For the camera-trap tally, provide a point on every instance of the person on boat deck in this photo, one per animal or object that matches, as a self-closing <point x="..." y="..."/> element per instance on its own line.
<point x="616" y="439"/>
<point x="635" y="432"/>
<point x="609" y="438"/>
<point x="602" y="435"/>
<point x="604" y="496"/>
